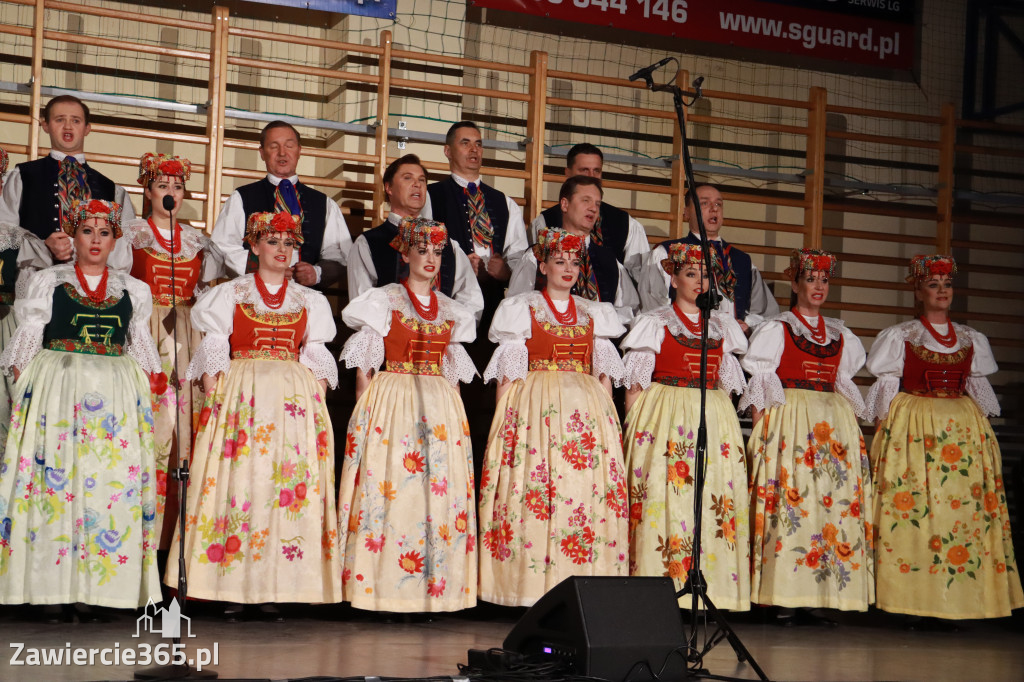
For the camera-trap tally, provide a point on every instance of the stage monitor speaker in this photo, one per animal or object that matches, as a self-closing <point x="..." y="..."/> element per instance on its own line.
<point x="616" y="629"/>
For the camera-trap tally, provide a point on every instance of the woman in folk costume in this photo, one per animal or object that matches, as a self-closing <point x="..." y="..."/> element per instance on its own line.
<point x="77" y="486"/>
<point x="406" y="495"/>
<point x="153" y="241"/>
<point x="553" y="495"/>
<point x="810" y="476"/>
<point x="261" y="524"/>
<point x="662" y="363"/>
<point x="944" y="547"/>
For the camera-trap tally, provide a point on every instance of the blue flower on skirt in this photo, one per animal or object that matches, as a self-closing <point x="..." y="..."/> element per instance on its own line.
<point x="110" y="424"/>
<point x="148" y="511"/>
<point x="91" y="519"/>
<point x="56" y="478"/>
<point x="39" y="456"/>
<point x="90" y="483"/>
<point x="92" y="402"/>
<point x="109" y="540"/>
<point x="5" y="529"/>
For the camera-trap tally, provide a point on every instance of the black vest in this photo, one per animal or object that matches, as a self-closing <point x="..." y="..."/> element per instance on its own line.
<point x="39" y="212"/>
<point x="740" y="263"/>
<point x="82" y="326"/>
<point x="614" y="227"/>
<point x="258" y="197"/>
<point x="606" y="271"/>
<point x="390" y="267"/>
<point x="449" y="206"/>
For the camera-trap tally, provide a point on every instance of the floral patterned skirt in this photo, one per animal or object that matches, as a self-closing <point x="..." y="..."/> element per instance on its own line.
<point x="77" y="495"/>
<point x="261" y="524"/>
<point x="553" y="499"/>
<point x="944" y="547"/>
<point x="811" y="505"/>
<point x="406" y="498"/>
<point x="7" y="327"/>
<point x="661" y="434"/>
<point x="165" y="324"/>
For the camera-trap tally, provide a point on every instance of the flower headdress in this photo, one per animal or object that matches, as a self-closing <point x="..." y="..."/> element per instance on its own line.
<point x="3" y="163"/>
<point x="925" y="267"/>
<point x="810" y="260"/>
<point x="260" y="224"/>
<point x="682" y="253"/>
<point x="552" y="240"/>
<point x="152" y="166"/>
<point x="419" y="231"/>
<point x="94" y="208"/>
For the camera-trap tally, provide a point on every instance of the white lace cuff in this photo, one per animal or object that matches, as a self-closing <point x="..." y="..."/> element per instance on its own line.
<point x="730" y="375"/>
<point x="212" y="357"/>
<point x="143" y="349"/>
<point x="638" y="368"/>
<point x="764" y="390"/>
<point x="607" y="361"/>
<point x="364" y="350"/>
<point x="845" y="387"/>
<point x="22" y="347"/>
<point x="980" y="389"/>
<point x="457" y="366"/>
<point x="880" y="396"/>
<point x="510" y="361"/>
<point x="320" y="362"/>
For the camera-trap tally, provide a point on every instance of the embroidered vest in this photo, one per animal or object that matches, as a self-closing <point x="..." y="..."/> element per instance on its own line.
<point x="77" y="325"/>
<point x="678" y="362"/>
<point x="415" y="347"/>
<point x="266" y="336"/>
<point x="258" y="197"/>
<point x="154" y="268"/>
<point x="39" y="212"/>
<point x="557" y="348"/>
<point x="390" y="267"/>
<point x="807" y="365"/>
<point x="935" y="375"/>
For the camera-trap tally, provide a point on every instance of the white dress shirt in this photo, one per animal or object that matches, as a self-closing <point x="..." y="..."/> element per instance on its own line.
<point x="10" y="207"/>
<point x="229" y="234"/>
<point x="636" y="249"/>
<point x="524" y="279"/>
<point x="362" y="275"/>
<point x="515" y="231"/>
<point x="654" y="285"/>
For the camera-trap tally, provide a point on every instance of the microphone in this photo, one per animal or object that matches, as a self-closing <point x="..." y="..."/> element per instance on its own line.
<point x="168" y="203"/>
<point x="696" y="87"/>
<point x="646" y="72"/>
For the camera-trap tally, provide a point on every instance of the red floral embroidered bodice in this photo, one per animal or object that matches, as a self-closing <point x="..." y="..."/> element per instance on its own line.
<point x="678" y="361"/>
<point x="933" y="374"/>
<point x="266" y="336"/>
<point x="807" y="365"/>
<point x="154" y="268"/>
<point x="415" y="347"/>
<point x="560" y="348"/>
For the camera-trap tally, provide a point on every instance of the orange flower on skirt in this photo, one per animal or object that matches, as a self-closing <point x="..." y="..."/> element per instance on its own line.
<point x="903" y="501"/>
<point x="991" y="502"/>
<point x="957" y="555"/>
<point x="951" y="453"/>
<point x="822" y="432"/>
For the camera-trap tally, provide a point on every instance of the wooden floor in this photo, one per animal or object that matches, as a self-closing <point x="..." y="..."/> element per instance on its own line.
<point x="332" y="641"/>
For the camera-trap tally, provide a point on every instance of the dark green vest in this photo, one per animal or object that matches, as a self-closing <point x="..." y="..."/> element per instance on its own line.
<point x="77" y="325"/>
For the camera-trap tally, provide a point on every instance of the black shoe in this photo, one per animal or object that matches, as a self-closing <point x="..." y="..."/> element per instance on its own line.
<point x="808" y="617"/>
<point x="233" y="613"/>
<point x="930" y="624"/>
<point x="270" y="613"/>
<point x="51" y="614"/>
<point x="86" y="614"/>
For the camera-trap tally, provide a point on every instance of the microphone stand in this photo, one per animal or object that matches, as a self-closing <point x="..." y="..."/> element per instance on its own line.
<point x="176" y="670"/>
<point x="696" y="586"/>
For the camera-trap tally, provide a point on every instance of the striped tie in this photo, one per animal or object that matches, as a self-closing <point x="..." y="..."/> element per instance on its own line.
<point x="71" y="184"/>
<point x="586" y="283"/>
<point x="479" y="220"/>
<point x="595" y="234"/>
<point x="726" y="277"/>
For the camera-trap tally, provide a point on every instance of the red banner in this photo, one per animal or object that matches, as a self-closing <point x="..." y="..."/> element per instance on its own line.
<point x="860" y="37"/>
